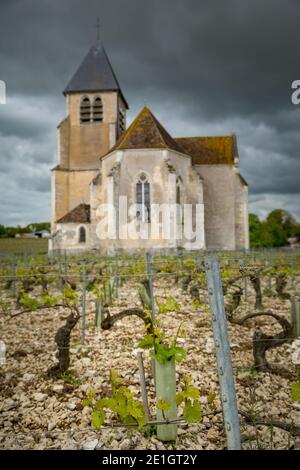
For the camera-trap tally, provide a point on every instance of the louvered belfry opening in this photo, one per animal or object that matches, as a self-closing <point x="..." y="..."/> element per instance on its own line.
<point x="122" y="120"/>
<point x="98" y="110"/>
<point x="85" y="110"/>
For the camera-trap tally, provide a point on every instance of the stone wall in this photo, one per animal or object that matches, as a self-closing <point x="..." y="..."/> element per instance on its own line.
<point x="69" y="189"/>
<point x="241" y="213"/>
<point x="67" y="238"/>
<point x="119" y="173"/>
<point x="225" y="207"/>
<point x="219" y="205"/>
<point x="80" y="147"/>
<point x="89" y="141"/>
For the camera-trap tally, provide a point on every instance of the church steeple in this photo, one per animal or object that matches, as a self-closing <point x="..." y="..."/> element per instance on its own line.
<point x="96" y="117"/>
<point x="95" y="74"/>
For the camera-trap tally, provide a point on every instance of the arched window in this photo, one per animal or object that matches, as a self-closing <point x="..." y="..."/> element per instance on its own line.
<point x="122" y="120"/>
<point x="82" y="235"/>
<point x="179" y="217"/>
<point x="178" y="194"/>
<point x="98" y="110"/>
<point x="178" y="190"/>
<point x="143" y="198"/>
<point x="85" y="110"/>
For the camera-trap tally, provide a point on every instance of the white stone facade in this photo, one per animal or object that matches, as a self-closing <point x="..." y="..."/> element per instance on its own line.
<point x="100" y="164"/>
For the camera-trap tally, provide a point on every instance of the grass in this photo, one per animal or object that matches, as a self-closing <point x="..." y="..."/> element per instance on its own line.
<point x="26" y="246"/>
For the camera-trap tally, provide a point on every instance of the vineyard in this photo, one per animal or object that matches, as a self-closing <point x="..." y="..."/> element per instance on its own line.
<point x="89" y="345"/>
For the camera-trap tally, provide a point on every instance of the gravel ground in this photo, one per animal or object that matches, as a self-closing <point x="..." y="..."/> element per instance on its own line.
<point x="41" y="413"/>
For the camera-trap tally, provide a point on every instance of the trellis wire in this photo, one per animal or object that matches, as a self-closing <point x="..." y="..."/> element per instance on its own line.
<point x="117" y="275"/>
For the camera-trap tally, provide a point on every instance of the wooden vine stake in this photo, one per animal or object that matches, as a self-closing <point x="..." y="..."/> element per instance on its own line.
<point x="143" y="384"/>
<point x="165" y="375"/>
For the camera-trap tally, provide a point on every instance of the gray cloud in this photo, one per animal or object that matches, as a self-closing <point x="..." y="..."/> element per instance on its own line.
<point x="203" y="66"/>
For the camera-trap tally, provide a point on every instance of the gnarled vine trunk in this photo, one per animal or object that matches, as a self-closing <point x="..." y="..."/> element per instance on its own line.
<point x="110" y="320"/>
<point x="280" y="284"/>
<point x="62" y="339"/>
<point x="256" y="284"/>
<point x="262" y="343"/>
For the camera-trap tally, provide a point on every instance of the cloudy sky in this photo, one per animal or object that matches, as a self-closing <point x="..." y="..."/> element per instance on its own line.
<point x="204" y="67"/>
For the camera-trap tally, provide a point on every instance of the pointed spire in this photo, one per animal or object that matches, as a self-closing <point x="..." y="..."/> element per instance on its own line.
<point x="95" y="73"/>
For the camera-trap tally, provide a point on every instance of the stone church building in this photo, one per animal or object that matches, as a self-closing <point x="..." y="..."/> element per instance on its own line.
<point x="103" y="164"/>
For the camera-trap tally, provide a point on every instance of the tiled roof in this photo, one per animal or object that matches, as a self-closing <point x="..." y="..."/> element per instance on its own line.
<point x="144" y="133"/>
<point x="95" y="73"/>
<point x="209" y="150"/>
<point x="81" y="214"/>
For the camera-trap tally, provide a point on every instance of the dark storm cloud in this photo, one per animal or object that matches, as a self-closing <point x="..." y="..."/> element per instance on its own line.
<point x="204" y="67"/>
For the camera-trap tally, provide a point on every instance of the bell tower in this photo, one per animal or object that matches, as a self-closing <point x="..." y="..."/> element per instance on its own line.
<point x="96" y="117"/>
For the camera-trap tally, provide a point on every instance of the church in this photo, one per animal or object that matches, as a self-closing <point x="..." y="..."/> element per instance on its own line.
<point x="119" y="189"/>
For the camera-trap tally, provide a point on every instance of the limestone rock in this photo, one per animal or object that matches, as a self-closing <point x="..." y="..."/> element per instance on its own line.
<point x="125" y="445"/>
<point x="71" y="406"/>
<point x="40" y="397"/>
<point x="90" y="444"/>
<point x="210" y="346"/>
<point x="9" y="404"/>
<point x="28" y="377"/>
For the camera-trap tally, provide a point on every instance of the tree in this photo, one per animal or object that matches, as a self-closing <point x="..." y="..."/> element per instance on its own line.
<point x="283" y="219"/>
<point x="2" y="231"/>
<point x="274" y="231"/>
<point x="254" y="231"/>
<point x="11" y="231"/>
<point x="38" y="227"/>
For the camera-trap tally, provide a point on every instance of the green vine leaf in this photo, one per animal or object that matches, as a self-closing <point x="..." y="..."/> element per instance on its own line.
<point x="89" y="400"/>
<point x="122" y="403"/>
<point x="98" y="418"/>
<point x="193" y="393"/>
<point x="163" y="405"/>
<point x="28" y="302"/>
<point x="295" y="392"/>
<point x="211" y="400"/>
<point x="196" y="304"/>
<point x="180" y="397"/>
<point x="192" y="412"/>
<point x="146" y="342"/>
<point x="179" y="353"/>
<point x="170" y="305"/>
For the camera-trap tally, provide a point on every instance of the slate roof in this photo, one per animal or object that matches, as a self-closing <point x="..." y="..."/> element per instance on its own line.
<point x="209" y="150"/>
<point x="144" y="133"/>
<point x="81" y="214"/>
<point x="95" y="73"/>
